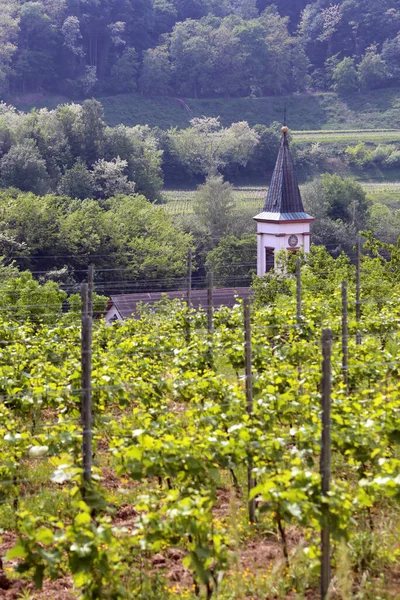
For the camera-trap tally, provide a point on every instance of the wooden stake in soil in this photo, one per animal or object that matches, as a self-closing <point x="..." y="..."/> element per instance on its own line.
<point x="210" y="314"/>
<point x="325" y="467"/>
<point x="90" y="290"/>
<point x="358" y="290"/>
<point x="249" y="400"/>
<point x="189" y="279"/>
<point x="189" y="293"/>
<point x="298" y="289"/>
<point x="345" y="335"/>
<point x="210" y="286"/>
<point x="86" y="385"/>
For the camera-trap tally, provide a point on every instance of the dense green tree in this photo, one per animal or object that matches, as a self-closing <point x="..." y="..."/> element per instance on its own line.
<point x="24" y="298"/>
<point x="58" y="140"/>
<point x="33" y="221"/>
<point x="214" y="206"/>
<point x="92" y="125"/>
<point x="384" y="222"/>
<point x="35" y="64"/>
<point x="9" y="27"/>
<point x="247" y="9"/>
<point x="138" y="238"/>
<point x="264" y="155"/>
<point x="126" y="233"/>
<point x="236" y="55"/>
<point x="346" y="199"/>
<point x="23" y="167"/>
<point x="150" y="246"/>
<point x="71" y="32"/>
<point x="139" y="147"/>
<point x="206" y="147"/>
<point x="372" y="71"/>
<point x="391" y="56"/>
<point x="226" y="77"/>
<point x="344" y="77"/>
<point x="191" y="56"/>
<point x="285" y="7"/>
<point x="337" y="235"/>
<point x="156" y="73"/>
<point x="69" y="120"/>
<point x="214" y="47"/>
<point x="340" y="208"/>
<point x="43" y="127"/>
<point x="5" y="137"/>
<point x="85" y="231"/>
<point x="110" y="178"/>
<point x="77" y="182"/>
<point x="191" y="9"/>
<point x="124" y="72"/>
<point x="233" y="260"/>
<point x="366" y="22"/>
<point x="165" y="17"/>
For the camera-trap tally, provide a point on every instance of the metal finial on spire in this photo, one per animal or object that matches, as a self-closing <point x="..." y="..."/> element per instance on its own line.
<point x="284" y="128"/>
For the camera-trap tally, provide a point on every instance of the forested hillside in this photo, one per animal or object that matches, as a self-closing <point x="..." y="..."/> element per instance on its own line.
<point x="197" y="48"/>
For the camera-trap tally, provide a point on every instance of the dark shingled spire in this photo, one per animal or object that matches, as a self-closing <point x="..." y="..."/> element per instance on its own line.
<point x="283" y="195"/>
<point x="283" y="201"/>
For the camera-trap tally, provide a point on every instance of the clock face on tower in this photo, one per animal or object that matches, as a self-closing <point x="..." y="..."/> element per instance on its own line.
<point x="293" y="241"/>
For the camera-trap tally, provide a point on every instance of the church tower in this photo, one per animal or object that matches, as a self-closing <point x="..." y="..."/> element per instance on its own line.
<point x="283" y="224"/>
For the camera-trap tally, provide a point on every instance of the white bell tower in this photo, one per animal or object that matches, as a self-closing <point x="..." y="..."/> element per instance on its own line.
<point x="283" y="224"/>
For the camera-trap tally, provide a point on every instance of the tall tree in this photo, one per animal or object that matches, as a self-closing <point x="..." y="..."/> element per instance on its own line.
<point x="35" y="64"/>
<point x="9" y="27"/>
<point x="214" y="207"/>
<point x="191" y="55"/>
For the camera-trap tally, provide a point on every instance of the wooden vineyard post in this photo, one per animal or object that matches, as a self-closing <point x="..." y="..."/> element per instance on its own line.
<point x="298" y="290"/>
<point x="358" y="290"/>
<point x="189" y="293"/>
<point x="86" y="385"/>
<point x="189" y="279"/>
<point x="298" y="306"/>
<point x="210" y="315"/>
<point x="90" y="290"/>
<point x="345" y="335"/>
<point x="325" y="467"/>
<point x="249" y="401"/>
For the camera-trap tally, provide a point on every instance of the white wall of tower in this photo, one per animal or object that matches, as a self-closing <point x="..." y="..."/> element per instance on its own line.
<point x="276" y="236"/>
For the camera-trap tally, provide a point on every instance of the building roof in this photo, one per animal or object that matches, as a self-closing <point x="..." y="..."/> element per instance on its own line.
<point x="275" y="216"/>
<point x="126" y="304"/>
<point x="283" y="201"/>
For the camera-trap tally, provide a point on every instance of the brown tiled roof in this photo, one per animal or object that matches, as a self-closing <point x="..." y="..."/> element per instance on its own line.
<point x="126" y="304"/>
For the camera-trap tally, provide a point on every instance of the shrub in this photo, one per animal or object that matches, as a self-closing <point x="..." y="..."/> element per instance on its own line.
<point x="394" y="159"/>
<point x="382" y="152"/>
<point x="360" y="155"/>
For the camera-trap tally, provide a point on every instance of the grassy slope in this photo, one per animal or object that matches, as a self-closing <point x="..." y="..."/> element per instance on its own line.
<point x="377" y="109"/>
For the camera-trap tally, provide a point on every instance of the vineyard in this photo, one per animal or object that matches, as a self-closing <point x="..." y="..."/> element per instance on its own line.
<point x="252" y="198"/>
<point x="180" y="202"/>
<point x="164" y="511"/>
<point x="326" y="136"/>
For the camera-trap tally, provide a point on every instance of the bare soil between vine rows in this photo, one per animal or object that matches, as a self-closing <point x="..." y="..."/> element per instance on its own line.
<point x="255" y="556"/>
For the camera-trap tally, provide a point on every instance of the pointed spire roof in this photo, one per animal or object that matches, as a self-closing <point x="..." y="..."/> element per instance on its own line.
<point x="283" y="201"/>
